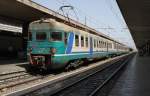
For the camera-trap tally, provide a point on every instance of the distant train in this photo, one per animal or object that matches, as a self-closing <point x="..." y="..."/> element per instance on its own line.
<point x="54" y="45"/>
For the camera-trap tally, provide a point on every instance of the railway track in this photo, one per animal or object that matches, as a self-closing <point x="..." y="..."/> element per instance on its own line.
<point x="9" y="80"/>
<point x="88" y="85"/>
<point x="91" y="84"/>
<point x="11" y="76"/>
<point x="76" y="82"/>
<point x="5" y="74"/>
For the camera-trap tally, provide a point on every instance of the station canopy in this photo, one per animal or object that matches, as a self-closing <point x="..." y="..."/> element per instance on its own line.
<point x="21" y="12"/>
<point x="137" y="16"/>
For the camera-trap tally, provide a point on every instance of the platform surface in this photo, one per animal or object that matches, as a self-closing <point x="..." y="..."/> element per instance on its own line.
<point x="8" y="66"/>
<point x="135" y="80"/>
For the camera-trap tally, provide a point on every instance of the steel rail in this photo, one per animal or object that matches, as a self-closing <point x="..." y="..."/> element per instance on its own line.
<point x="21" y="82"/>
<point x="109" y="78"/>
<point x="82" y="79"/>
<point x="11" y="73"/>
<point x="9" y="78"/>
<point x="119" y="64"/>
<point x="47" y="84"/>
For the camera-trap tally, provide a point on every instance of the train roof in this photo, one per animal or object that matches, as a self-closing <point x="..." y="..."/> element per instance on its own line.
<point x="72" y="23"/>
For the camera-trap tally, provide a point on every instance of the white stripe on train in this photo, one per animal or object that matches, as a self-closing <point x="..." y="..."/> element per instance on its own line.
<point x="78" y="54"/>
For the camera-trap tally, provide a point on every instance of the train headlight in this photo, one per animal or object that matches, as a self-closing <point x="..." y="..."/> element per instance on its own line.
<point x="52" y="51"/>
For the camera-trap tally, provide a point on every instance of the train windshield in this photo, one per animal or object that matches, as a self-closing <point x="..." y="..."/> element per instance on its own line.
<point x="56" y="36"/>
<point x="41" y="36"/>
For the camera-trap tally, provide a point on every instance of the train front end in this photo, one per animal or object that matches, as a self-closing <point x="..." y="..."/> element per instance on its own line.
<point x="45" y="41"/>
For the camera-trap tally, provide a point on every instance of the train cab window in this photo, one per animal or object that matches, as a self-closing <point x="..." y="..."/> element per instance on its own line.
<point x="86" y="40"/>
<point x="41" y="36"/>
<point x="82" y="41"/>
<point x="99" y="44"/>
<point x="76" y="40"/>
<point x="56" y="36"/>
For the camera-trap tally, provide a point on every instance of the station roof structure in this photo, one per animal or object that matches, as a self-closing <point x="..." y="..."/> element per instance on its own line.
<point x="137" y="17"/>
<point x="19" y="12"/>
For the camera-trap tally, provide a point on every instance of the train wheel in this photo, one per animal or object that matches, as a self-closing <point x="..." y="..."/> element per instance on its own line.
<point x="68" y="67"/>
<point x="73" y="65"/>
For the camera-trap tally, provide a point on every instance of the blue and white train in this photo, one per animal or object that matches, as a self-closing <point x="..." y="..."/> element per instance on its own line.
<point x="55" y="45"/>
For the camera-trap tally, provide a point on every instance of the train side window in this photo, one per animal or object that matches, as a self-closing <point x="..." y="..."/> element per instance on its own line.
<point x="110" y="45"/>
<point x="115" y="46"/>
<point x="105" y="44"/>
<point x="94" y="43"/>
<point x="101" y="44"/>
<point x="86" y="40"/>
<point x="76" y="40"/>
<point x="82" y="41"/>
<point x="97" y="43"/>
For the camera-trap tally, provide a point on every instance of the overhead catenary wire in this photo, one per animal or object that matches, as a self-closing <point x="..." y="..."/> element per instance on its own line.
<point x="118" y="17"/>
<point x="89" y="19"/>
<point x="111" y="4"/>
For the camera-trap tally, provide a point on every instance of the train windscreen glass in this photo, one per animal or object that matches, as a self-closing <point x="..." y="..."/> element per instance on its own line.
<point x="56" y="36"/>
<point x="41" y="36"/>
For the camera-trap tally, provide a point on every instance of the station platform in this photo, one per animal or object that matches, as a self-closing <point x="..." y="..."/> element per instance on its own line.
<point x="9" y="66"/>
<point x="135" y="80"/>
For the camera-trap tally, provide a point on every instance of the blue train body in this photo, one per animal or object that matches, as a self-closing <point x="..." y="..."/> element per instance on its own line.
<point x="53" y="45"/>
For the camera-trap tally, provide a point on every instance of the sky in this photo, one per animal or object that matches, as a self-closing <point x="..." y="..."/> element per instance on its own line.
<point x="102" y="15"/>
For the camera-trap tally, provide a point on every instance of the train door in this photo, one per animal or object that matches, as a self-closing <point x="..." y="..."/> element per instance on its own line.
<point x="70" y="43"/>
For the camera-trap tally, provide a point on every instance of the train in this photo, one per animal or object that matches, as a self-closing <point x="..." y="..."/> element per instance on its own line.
<point x="54" y="45"/>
